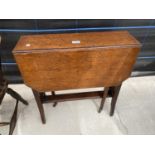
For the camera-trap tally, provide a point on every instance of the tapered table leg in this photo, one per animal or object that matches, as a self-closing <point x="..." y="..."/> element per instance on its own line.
<point x="40" y="105"/>
<point x="55" y="103"/>
<point x="114" y="99"/>
<point x="103" y="98"/>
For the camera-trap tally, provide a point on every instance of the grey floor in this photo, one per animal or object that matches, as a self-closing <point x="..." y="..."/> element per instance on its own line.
<point x="135" y="112"/>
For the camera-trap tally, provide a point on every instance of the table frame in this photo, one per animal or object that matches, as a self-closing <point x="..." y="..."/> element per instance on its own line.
<point x="42" y="98"/>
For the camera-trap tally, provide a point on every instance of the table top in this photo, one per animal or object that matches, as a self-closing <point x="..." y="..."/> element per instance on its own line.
<point x="78" y="60"/>
<point x="75" y="40"/>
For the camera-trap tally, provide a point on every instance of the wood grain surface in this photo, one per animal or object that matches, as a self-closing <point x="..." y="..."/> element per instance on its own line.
<point x="52" y="62"/>
<point x="87" y="40"/>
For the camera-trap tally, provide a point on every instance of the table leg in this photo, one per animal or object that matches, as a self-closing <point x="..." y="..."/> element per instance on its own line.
<point x="55" y="103"/>
<point x="40" y="105"/>
<point x="106" y="89"/>
<point x="114" y="99"/>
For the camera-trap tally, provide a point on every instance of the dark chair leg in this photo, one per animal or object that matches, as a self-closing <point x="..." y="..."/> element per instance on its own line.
<point x="55" y="103"/>
<point x="16" y="96"/>
<point x="114" y="99"/>
<point x="103" y="98"/>
<point x="4" y="123"/>
<point x="40" y="105"/>
<point x="13" y="120"/>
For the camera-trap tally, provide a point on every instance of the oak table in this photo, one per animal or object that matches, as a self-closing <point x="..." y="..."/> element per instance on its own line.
<point x="52" y="62"/>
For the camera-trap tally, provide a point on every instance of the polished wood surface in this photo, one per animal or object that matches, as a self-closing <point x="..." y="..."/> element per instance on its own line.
<point x="87" y="40"/>
<point x="79" y="67"/>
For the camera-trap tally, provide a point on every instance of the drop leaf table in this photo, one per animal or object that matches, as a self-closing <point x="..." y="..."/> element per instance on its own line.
<point x="53" y="62"/>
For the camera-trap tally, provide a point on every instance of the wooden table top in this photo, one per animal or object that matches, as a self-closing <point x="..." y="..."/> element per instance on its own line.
<point x="75" y="40"/>
<point x="77" y="60"/>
